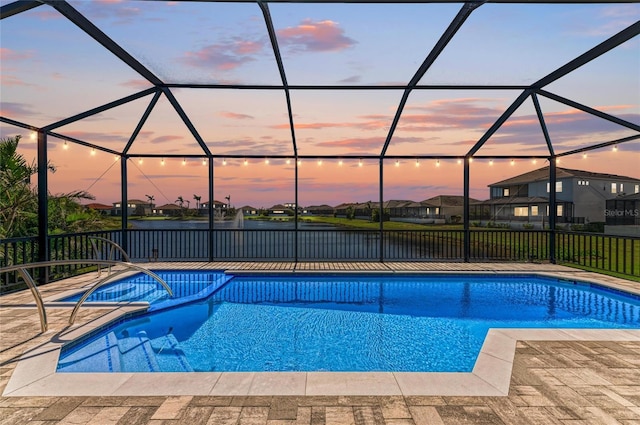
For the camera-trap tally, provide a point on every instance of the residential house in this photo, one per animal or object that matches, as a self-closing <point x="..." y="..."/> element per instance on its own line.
<point x="248" y="210"/>
<point x="169" y="210"/>
<point x="581" y="196"/>
<point x="449" y="208"/>
<point x="134" y="207"/>
<point x="101" y="208"/>
<point x="321" y="210"/>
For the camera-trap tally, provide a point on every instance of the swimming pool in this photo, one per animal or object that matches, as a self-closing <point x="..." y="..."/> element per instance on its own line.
<point x="337" y="323"/>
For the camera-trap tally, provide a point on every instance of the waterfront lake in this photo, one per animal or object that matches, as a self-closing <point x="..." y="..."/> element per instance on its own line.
<point x="262" y="240"/>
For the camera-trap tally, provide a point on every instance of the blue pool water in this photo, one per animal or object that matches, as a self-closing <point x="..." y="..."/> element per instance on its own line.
<point x="310" y="323"/>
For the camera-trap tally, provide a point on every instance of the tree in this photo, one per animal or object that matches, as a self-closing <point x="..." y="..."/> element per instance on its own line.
<point x="180" y="201"/>
<point x="197" y="198"/>
<point x="18" y="201"/>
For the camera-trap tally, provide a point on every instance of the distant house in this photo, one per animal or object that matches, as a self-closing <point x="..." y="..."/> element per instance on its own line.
<point x="101" y="208"/>
<point x="249" y="210"/>
<point x="280" y="210"/>
<point x="169" y="210"/>
<point x="581" y="196"/>
<point x="447" y="207"/>
<point x="134" y="207"/>
<point x="321" y="210"/>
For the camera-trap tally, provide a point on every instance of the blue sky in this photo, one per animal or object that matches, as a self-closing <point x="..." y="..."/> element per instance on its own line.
<point x="51" y="70"/>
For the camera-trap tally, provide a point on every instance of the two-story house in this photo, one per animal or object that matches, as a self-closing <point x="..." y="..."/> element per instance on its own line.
<point x="581" y="196"/>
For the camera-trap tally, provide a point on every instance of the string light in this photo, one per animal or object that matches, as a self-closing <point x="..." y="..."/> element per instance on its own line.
<point x="299" y="162"/>
<point x="491" y="162"/>
<point x="65" y="146"/>
<point x="513" y="162"/>
<point x="615" y="148"/>
<point x="32" y="136"/>
<point x="93" y="151"/>
<point x="459" y="161"/>
<point x="140" y="161"/>
<point x="397" y="163"/>
<point x="417" y="163"/>
<point x="360" y="162"/>
<point x="319" y="162"/>
<point x="437" y="162"/>
<point x="162" y="162"/>
<point x="288" y="161"/>
<point x="340" y="163"/>
<point x="557" y="160"/>
<point x="584" y="156"/>
<point x="116" y="157"/>
<point x="184" y="161"/>
<point x="204" y="162"/>
<point x="246" y="162"/>
<point x="535" y="161"/>
<point x="224" y="161"/>
<point x="266" y="161"/>
<point x="470" y="159"/>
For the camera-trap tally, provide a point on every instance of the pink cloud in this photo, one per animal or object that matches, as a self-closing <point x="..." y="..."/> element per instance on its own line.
<point x="309" y="36"/>
<point x="224" y="56"/>
<point x="136" y="84"/>
<point x="12" y="80"/>
<point x="235" y="116"/>
<point x="7" y="54"/>
<point x="165" y="139"/>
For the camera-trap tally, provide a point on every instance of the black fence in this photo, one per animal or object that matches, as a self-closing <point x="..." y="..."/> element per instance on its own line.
<point x="596" y="251"/>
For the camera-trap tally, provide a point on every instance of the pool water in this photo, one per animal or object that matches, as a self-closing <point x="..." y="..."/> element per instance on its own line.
<point x="309" y="323"/>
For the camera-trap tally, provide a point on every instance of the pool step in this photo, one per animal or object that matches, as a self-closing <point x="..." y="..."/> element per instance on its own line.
<point x="137" y="355"/>
<point x="101" y="355"/>
<point x="169" y="354"/>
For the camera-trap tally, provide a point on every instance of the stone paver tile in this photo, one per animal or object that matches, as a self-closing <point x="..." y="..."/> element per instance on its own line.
<point x="196" y="415"/>
<point x="304" y="416"/>
<point x="210" y="400"/>
<point x="172" y="407"/>
<point x="61" y="408"/>
<point x="368" y="415"/>
<point x="137" y="415"/>
<point x="318" y="415"/>
<point x="17" y="415"/>
<point x="540" y="416"/>
<point x="394" y="408"/>
<point x="224" y="416"/>
<point x="339" y="416"/>
<point x="425" y="415"/>
<point x="283" y="408"/>
<point x="109" y="415"/>
<point x="253" y="415"/>
<point x="80" y="416"/>
<point x="425" y="401"/>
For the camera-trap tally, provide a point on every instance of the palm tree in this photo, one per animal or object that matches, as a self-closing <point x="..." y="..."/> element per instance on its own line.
<point x="197" y="198"/>
<point x="180" y="201"/>
<point x="228" y="198"/>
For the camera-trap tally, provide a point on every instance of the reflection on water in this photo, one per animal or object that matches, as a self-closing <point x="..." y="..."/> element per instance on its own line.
<point x="228" y="224"/>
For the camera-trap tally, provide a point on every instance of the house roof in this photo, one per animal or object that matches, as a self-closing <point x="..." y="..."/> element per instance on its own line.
<point x="319" y="207"/>
<point x="519" y="200"/>
<point x="447" y="201"/>
<point x="542" y="174"/>
<point x="631" y="197"/>
<point x="168" y="207"/>
<point x="98" y="206"/>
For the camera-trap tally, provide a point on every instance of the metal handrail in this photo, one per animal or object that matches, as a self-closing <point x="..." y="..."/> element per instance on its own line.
<point x="22" y="269"/>
<point x="112" y="245"/>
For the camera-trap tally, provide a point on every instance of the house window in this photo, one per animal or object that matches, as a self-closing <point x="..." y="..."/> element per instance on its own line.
<point x="637" y="189"/>
<point x="558" y="187"/>
<point x="521" y="211"/>
<point x="534" y="210"/>
<point x="621" y="187"/>
<point x="559" y="210"/>
<point x="505" y="191"/>
<point x="614" y="188"/>
<point x="117" y="205"/>
<point x="583" y="182"/>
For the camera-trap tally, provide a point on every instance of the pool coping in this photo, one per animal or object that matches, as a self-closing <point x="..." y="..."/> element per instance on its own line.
<point x="35" y="374"/>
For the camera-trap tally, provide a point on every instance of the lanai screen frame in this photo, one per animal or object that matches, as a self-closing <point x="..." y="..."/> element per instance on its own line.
<point x="161" y="87"/>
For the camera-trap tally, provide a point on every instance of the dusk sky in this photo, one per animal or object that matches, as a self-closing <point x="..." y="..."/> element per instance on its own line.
<point x="51" y="70"/>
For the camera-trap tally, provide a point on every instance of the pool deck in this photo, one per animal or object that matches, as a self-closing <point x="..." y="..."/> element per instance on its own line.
<point x="521" y="376"/>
